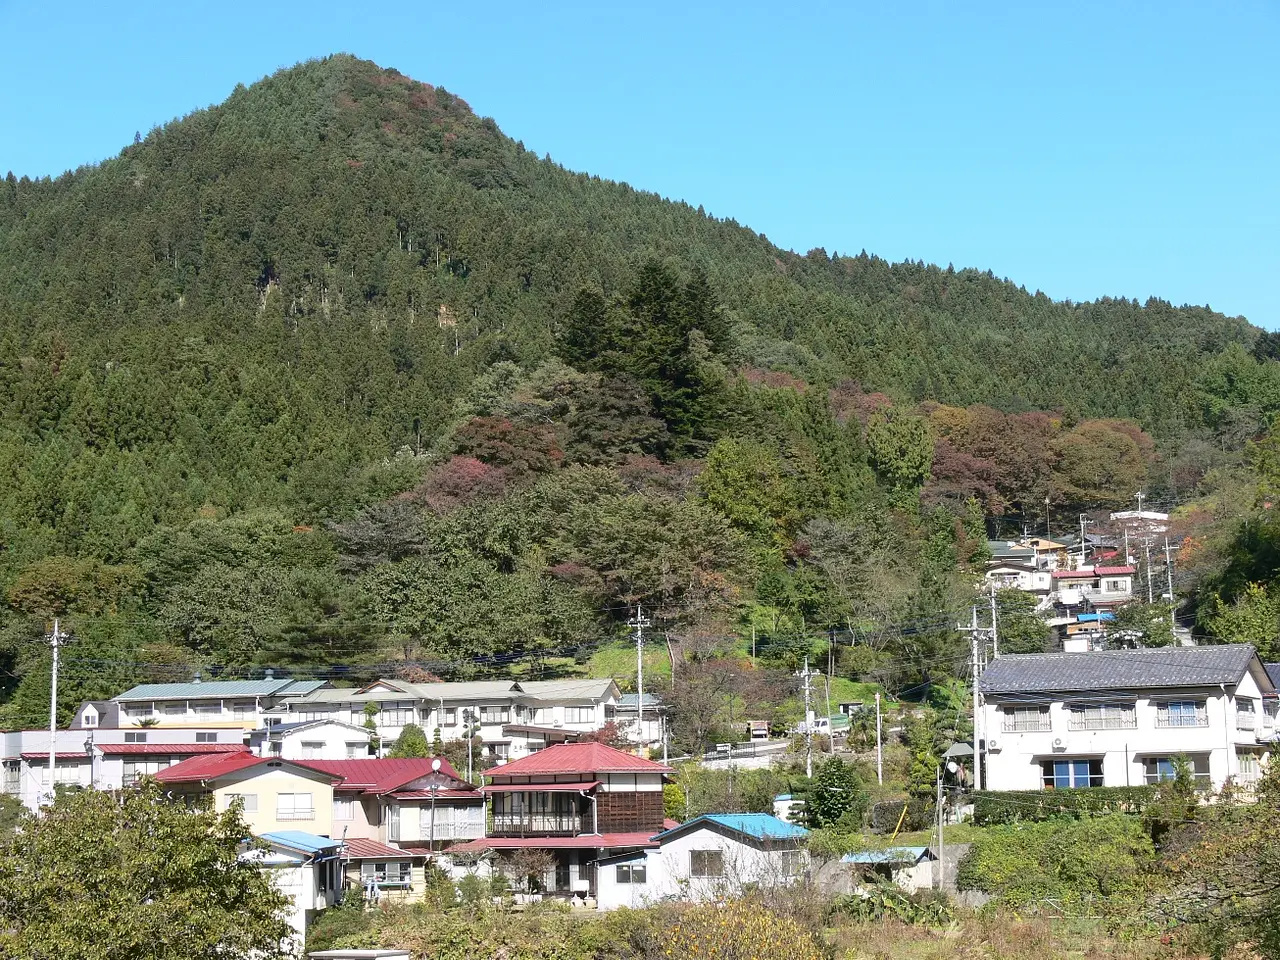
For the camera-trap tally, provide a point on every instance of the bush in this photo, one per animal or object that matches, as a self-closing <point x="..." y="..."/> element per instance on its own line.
<point x="992" y="807"/>
<point x="886" y="813"/>
<point x="737" y="930"/>
<point x="881" y="900"/>
<point x="1070" y="862"/>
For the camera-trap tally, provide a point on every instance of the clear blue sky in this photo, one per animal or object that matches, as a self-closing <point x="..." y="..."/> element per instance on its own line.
<point x="1078" y="148"/>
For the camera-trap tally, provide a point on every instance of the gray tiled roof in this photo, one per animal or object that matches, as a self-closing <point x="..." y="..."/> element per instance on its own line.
<point x="1273" y="671"/>
<point x="279" y="686"/>
<point x="1117" y="669"/>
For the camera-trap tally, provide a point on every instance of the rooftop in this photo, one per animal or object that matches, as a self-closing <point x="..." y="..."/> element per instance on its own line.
<point x="758" y="826"/>
<point x="1117" y="669"/>
<point x="378" y="776"/>
<point x="214" y="765"/>
<point x="577" y="758"/>
<point x="904" y="855"/>
<point x="203" y="690"/>
<point x="301" y="840"/>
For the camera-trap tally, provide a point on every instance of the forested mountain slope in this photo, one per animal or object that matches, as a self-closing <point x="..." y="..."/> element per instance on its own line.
<point x="213" y="346"/>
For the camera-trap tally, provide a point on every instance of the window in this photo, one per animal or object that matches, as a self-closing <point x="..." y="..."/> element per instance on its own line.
<point x="579" y="714"/>
<point x="1182" y="713"/>
<point x="344" y="808"/>
<point x="500" y="714"/>
<point x="395" y="714"/>
<point x="134" y="770"/>
<point x="312" y="749"/>
<point x="137" y="710"/>
<point x="1115" y="586"/>
<point x="295" y="806"/>
<point x="206" y="738"/>
<point x="12" y="776"/>
<point x="395" y="872"/>
<point x="792" y="863"/>
<point x="450" y="717"/>
<point x="500" y="750"/>
<point x="307" y="713"/>
<point x="243" y="709"/>
<point x="248" y="800"/>
<point x="89" y="718"/>
<point x="175" y="709"/>
<point x="208" y="708"/>
<point x="706" y="863"/>
<point x="393" y="822"/>
<point x="1166" y="768"/>
<point x="1063" y="774"/>
<point x="357" y="749"/>
<point x="1102" y="716"/>
<point x="1025" y="719"/>
<point x="67" y="774"/>
<point x="133" y="737"/>
<point x="1250" y="767"/>
<point x="632" y="873"/>
<point x="1246" y="719"/>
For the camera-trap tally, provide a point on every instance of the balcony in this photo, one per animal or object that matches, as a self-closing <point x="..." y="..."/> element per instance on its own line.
<point x="1246" y="721"/>
<point x="1022" y="723"/>
<point x="537" y="825"/>
<point x="283" y="815"/>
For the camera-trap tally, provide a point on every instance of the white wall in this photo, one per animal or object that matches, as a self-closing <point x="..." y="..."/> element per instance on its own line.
<point x="1014" y="762"/>
<point x="332" y="740"/>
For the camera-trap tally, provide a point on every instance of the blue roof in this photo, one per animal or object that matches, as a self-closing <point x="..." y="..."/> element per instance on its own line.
<point x="1105" y="616"/>
<point x="301" y="840"/>
<point x="758" y="826"/>
<point x="889" y="855"/>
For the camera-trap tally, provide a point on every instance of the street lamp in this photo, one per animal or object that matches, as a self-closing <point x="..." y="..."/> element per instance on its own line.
<point x="435" y="788"/>
<point x="88" y="752"/>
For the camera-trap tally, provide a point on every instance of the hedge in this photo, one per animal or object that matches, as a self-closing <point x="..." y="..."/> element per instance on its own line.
<point x="1010" y="806"/>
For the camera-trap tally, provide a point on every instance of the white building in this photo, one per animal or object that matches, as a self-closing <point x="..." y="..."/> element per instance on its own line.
<point x="512" y="718"/>
<point x="306" y="868"/>
<point x="314" y="740"/>
<point x="648" y="729"/>
<point x="710" y="857"/>
<point x="104" y="758"/>
<point x="1120" y="718"/>
<point x="240" y="704"/>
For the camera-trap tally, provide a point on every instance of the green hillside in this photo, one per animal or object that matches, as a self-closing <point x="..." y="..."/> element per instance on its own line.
<point x="334" y="376"/>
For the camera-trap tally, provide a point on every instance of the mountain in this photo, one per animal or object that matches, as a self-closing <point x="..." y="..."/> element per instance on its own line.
<point x="237" y="359"/>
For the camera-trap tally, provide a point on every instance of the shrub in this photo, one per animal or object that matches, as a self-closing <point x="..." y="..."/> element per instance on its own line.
<point x="880" y="900"/>
<point x="886" y="814"/>
<point x="737" y="930"/>
<point x="1013" y="806"/>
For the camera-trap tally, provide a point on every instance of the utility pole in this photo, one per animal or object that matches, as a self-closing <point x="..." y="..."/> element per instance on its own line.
<point x="1168" y="569"/>
<point x="805" y="676"/>
<point x="1046" y="518"/>
<point x="942" y="860"/>
<point x="1126" y="544"/>
<point x="831" y="666"/>
<point x="879" y="749"/>
<point x="638" y="623"/>
<point x="1150" y="596"/>
<point x="55" y="642"/>
<point x="977" y="714"/>
<point x="995" y="637"/>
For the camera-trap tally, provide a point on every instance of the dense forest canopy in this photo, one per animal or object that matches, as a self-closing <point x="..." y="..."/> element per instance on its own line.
<point x="334" y="376"/>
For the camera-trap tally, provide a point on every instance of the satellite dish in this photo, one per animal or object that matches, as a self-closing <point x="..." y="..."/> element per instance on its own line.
<point x="953" y="767"/>
<point x="435" y="765"/>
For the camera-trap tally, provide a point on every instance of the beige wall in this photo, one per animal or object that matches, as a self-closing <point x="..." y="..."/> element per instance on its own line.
<point x="267" y="786"/>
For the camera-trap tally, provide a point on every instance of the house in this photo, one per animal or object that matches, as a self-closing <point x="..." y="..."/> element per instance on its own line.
<point x="648" y="729"/>
<point x="305" y="867"/>
<point x="911" y="868"/>
<point x="108" y="758"/>
<point x="378" y="871"/>
<point x="1019" y="576"/>
<point x="1120" y="717"/>
<point x="417" y="804"/>
<point x="512" y="719"/>
<point x="710" y="857"/>
<point x="314" y="740"/>
<point x="577" y="801"/>
<point x="274" y="794"/>
<point x="239" y="704"/>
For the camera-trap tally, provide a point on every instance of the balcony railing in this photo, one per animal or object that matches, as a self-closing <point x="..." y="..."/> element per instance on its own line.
<point x="1109" y="721"/>
<point x="296" y="814"/>
<point x="1246" y="721"/>
<point x="1169" y="720"/>
<point x="1021" y="723"/>
<point x="536" y="825"/>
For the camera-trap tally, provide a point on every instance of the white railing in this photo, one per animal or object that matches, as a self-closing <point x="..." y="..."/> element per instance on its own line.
<point x="296" y="814"/>
<point x="1023" y="723"/>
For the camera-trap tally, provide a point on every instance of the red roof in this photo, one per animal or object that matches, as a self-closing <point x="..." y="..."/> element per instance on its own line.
<point x="1086" y="573"/>
<point x="580" y="758"/>
<point x="439" y="794"/>
<point x="541" y="787"/>
<point x="168" y="749"/>
<point x="210" y="766"/>
<point x="362" y="849"/>
<point x="61" y="757"/>
<point x="381" y="775"/>
<point x="1114" y="571"/>
<point x="586" y="841"/>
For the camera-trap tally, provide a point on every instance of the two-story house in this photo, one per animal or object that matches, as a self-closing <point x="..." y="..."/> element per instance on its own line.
<point x="238" y="704"/>
<point x="108" y="758"/>
<point x="511" y="718"/>
<point x="1122" y="717"/>
<point x="578" y="801"/>
<point x="314" y="740"/>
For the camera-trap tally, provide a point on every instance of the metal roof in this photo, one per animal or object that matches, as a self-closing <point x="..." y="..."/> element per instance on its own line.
<point x="204" y="690"/>
<point x="577" y="758"/>
<point x="301" y="840"/>
<point x="167" y="749"/>
<point x="1273" y="671"/>
<point x="359" y="848"/>
<point x="628" y="701"/>
<point x="468" y="690"/>
<point x="890" y="855"/>
<point x="758" y="826"/>
<point x="379" y="775"/>
<point x="584" y="841"/>
<point x="574" y="689"/>
<point x="1117" y="669"/>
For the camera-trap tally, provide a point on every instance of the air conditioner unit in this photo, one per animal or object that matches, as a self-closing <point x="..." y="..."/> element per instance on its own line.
<point x="993" y="745"/>
<point x="1058" y="744"/>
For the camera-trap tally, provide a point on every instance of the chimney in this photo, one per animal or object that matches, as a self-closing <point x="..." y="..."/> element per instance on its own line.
<point x="197" y="679"/>
<point x="269" y="674"/>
